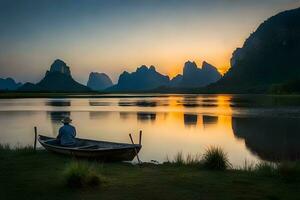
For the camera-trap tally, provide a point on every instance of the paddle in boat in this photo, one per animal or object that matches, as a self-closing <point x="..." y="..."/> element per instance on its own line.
<point x="92" y="149"/>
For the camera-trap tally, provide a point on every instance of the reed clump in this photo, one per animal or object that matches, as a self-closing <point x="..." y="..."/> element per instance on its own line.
<point x="80" y="175"/>
<point x="16" y="149"/>
<point x="286" y="170"/>
<point x="214" y="158"/>
<point x="5" y="147"/>
<point x="181" y="160"/>
<point x="265" y="168"/>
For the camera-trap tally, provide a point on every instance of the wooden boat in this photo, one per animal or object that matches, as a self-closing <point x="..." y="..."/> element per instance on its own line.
<point x="92" y="149"/>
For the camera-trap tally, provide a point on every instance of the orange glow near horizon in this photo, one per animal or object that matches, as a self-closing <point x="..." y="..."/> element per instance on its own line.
<point x="174" y="71"/>
<point x="114" y="37"/>
<point x="223" y="70"/>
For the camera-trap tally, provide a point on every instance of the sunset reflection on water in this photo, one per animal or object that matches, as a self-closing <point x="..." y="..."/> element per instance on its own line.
<point x="170" y="124"/>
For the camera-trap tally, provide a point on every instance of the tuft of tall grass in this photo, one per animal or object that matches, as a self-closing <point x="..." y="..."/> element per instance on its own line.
<point x="214" y="158"/>
<point x="180" y="159"/>
<point x="248" y="166"/>
<point x="17" y="148"/>
<point x="80" y="175"/>
<point x="265" y="168"/>
<point x="24" y="149"/>
<point x="286" y="170"/>
<point x="193" y="159"/>
<point x="5" y="147"/>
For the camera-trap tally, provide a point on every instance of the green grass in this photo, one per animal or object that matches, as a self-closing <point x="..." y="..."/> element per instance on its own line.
<point x="79" y="174"/>
<point x="41" y="175"/>
<point x="289" y="171"/>
<point x="284" y="170"/>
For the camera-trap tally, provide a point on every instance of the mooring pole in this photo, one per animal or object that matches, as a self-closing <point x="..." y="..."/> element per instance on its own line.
<point x="35" y="138"/>
<point x="136" y="153"/>
<point x="140" y="138"/>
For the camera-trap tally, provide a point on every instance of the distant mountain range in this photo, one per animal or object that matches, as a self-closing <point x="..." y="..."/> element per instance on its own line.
<point x="268" y="61"/>
<point x="57" y="79"/>
<point x="9" y="84"/>
<point x="194" y="77"/>
<point x="142" y="79"/>
<point x="147" y="78"/>
<point x="268" y="58"/>
<point x="99" y="81"/>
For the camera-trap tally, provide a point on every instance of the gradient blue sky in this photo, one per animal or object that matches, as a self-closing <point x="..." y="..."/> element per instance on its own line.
<point x="113" y="36"/>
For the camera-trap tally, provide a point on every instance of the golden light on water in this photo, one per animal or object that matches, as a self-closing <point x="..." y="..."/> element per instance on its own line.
<point x="177" y="123"/>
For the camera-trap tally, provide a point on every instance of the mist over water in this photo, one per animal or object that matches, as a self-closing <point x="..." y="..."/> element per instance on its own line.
<point x="247" y="127"/>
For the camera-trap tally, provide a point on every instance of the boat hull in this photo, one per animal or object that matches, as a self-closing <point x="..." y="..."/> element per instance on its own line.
<point x="120" y="153"/>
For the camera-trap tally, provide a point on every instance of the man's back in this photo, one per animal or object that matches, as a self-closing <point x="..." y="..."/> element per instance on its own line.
<point x="67" y="135"/>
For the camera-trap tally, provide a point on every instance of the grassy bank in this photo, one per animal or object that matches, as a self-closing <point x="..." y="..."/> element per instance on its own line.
<point x="25" y="174"/>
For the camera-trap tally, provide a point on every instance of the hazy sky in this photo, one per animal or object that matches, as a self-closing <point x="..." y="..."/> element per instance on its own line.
<point x="112" y="36"/>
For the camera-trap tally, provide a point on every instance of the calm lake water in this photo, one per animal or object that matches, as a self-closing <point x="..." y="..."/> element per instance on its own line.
<point x="247" y="127"/>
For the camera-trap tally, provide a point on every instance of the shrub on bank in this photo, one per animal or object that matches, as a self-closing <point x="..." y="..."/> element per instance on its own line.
<point x="214" y="158"/>
<point x="80" y="175"/>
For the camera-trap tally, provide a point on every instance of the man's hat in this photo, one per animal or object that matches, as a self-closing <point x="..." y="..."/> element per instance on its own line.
<point x="66" y="120"/>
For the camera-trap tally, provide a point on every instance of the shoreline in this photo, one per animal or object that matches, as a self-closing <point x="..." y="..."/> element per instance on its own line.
<point x="20" y="95"/>
<point x="32" y="174"/>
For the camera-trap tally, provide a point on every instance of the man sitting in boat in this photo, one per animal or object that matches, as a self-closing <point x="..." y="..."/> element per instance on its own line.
<point x="67" y="133"/>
